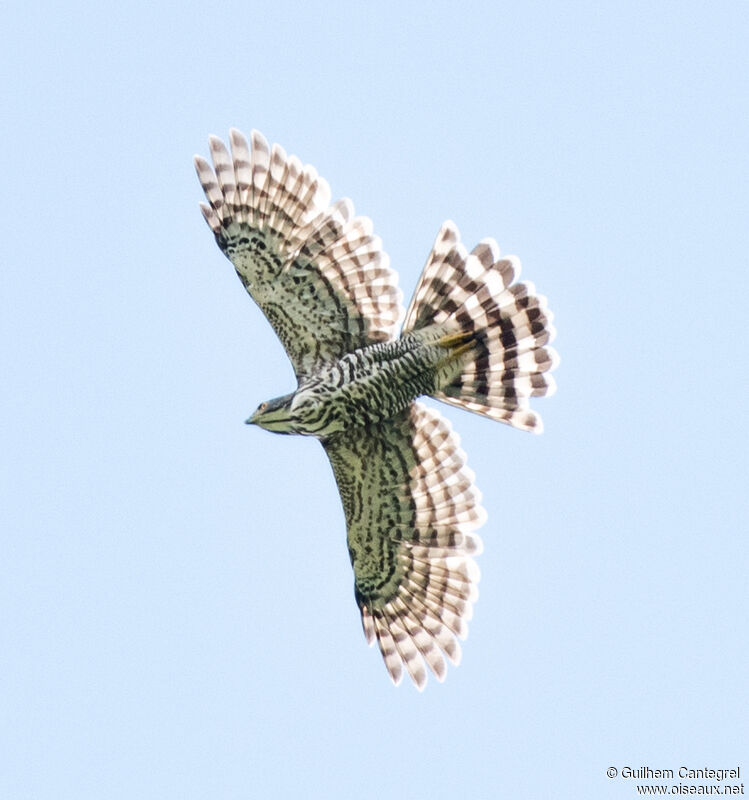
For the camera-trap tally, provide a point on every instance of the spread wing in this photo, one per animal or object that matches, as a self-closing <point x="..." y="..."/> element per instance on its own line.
<point x="411" y="507"/>
<point x="317" y="272"/>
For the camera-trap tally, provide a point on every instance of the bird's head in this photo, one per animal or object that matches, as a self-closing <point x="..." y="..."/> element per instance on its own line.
<point x="275" y="415"/>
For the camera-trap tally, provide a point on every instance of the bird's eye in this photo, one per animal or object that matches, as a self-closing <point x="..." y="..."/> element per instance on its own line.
<point x="263" y="406"/>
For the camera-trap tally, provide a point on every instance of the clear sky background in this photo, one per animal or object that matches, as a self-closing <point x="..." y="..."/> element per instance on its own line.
<point x="176" y="604"/>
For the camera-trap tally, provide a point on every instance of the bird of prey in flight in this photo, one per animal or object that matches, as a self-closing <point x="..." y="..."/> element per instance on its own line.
<point x="473" y="336"/>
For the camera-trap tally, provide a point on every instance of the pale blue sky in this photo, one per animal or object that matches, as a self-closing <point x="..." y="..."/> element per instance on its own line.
<point x="176" y="606"/>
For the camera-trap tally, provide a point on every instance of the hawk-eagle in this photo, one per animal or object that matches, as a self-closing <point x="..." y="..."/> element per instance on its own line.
<point x="472" y="336"/>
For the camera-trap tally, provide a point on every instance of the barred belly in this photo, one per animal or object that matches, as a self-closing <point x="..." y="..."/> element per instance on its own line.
<point x="367" y="386"/>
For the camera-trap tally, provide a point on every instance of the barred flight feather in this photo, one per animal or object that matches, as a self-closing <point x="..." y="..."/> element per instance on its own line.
<point x="316" y="271"/>
<point x="411" y="545"/>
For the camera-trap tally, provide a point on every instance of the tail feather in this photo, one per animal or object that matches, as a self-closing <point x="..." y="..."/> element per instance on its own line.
<point x="499" y="328"/>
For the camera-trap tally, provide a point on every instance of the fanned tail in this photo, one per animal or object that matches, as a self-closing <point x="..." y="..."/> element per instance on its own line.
<point x="500" y="329"/>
